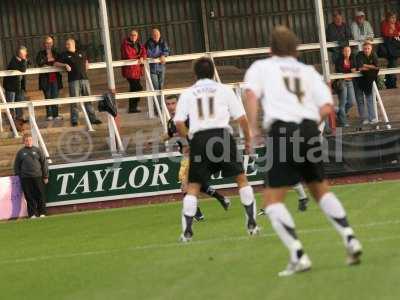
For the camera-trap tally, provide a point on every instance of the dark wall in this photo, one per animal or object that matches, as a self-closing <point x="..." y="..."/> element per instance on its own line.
<point x="231" y="23"/>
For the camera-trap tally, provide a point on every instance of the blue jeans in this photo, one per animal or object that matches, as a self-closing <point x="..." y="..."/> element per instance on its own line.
<point x="16" y="97"/>
<point x="361" y="99"/>
<point x="51" y="93"/>
<point x="80" y="88"/>
<point x="347" y="98"/>
<point x="158" y="80"/>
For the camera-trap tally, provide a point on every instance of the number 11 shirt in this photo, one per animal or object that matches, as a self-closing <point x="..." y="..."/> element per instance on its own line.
<point x="208" y="105"/>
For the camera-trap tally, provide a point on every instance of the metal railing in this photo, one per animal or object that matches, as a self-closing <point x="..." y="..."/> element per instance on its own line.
<point x="152" y="95"/>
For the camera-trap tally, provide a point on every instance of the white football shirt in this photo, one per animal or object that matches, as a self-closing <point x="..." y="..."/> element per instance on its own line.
<point x="290" y="91"/>
<point x="208" y="104"/>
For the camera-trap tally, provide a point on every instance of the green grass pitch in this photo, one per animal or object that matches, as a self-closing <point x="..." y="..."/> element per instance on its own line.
<point x="132" y="253"/>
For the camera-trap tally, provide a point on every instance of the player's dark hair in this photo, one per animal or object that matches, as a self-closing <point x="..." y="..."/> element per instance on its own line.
<point x="204" y="68"/>
<point x="284" y="42"/>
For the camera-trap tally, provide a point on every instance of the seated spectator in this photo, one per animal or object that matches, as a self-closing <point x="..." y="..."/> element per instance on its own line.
<point x="132" y="49"/>
<point x="77" y="64"/>
<point x="367" y="64"/>
<point x="338" y="31"/>
<point x="49" y="83"/>
<point x="345" y="64"/>
<point x="361" y="29"/>
<point x="390" y="29"/>
<point x="157" y="47"/>
<point x="15" y="86"/>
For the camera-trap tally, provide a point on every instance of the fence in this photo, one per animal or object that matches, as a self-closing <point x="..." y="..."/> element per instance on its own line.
<point x="115" y="139"/>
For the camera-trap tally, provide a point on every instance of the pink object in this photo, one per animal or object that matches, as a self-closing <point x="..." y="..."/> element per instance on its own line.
<point x="12" y="200"/>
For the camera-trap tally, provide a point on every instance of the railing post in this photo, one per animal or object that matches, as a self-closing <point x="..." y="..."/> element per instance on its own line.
<point x="36" y="135"/>
<point x="319" y="9"/>
<point x="149" y="87"/>
<point x="216" y="74"/>
<point x="86" y="116"/>
<point x="115" y="138"/>
<point x="8" y="113"/>
<point x="382" y="107"/>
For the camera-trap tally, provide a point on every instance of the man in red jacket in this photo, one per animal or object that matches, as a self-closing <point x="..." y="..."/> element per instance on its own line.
<point x="132" y="49"/>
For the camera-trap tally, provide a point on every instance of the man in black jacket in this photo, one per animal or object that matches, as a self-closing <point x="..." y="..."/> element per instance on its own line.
<point x="31" y="167"/>
<point x="338" y="31"/>
<point x="15" y="85"/>
<point x="49" y="83"/>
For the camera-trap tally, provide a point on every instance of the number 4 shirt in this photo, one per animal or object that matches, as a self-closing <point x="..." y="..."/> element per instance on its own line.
<point x="290" y="91"/>
<point x="208" y="105"/>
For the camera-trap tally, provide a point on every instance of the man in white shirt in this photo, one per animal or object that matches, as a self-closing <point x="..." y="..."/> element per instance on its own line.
<point x="210" y="106"/>
<point x="295" y="100"/>
<point x="361" y="29"/>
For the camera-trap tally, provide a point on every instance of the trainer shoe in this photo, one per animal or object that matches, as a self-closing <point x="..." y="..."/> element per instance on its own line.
<point x="252" y="228"/>
<point x="199" y="216"/>
<point x="302" y="265"/>
<point x="354" y="251"/>
<point x="303" y="204"/>
<point x="226" y="203"/>
<point x="261" y="212"/>
<point x="185" y="238"/>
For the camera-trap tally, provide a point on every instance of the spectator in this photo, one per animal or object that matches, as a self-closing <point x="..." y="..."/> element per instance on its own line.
<point x="157" y="48"/>
<point x="367" y="63"/>
<point x="31" y="167"/>
<point x="49" y="83"/>
<point x="361" y="29"/>
<point x="345" y="64"/>
<point x="390" y="29"/>
<point x="132" y="49"/>
<point x="76" y="64"/>
<point x="337" y="31"/>
<point x="15" y="86"/>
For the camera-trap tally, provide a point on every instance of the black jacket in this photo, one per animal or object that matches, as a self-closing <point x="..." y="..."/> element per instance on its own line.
<point x="41" y="61"/>
<point x="16" y="83"/>
<point x="31" y="163"/>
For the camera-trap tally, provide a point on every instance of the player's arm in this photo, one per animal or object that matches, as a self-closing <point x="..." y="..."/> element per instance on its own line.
<point x="181" y="115"/>
<point x="325" y="111"/>
<point x="244" y="125"/>
<point x="322" y="95"/>
<point x="181" y="128"/>
<point x="252" y="111"/>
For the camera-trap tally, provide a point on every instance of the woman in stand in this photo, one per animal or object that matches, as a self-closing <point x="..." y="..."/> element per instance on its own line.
<point x="346" y="63"/>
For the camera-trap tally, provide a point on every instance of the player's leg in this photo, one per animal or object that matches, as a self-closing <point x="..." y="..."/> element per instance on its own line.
<point x="302" y="196"/>
<point x="183" y="176"/>
<point x="189" y="211"/>
<point x="333" y="209"/>
<point x="284" y="226"/>
<point x="249" y="203"/>
<point x="224" y="201"/>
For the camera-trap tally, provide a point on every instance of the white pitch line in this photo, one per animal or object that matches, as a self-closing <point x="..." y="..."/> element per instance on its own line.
<point x="201" y="242"/>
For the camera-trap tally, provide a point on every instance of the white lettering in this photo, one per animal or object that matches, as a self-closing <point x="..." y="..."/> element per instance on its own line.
<point x="100" y="179"/>
<point x="64" y="183"/>
<point x="145" y="177"/>
<point x="83" y="183"/>
<point x="159" y="174"/>
<point x="114" y="184"/>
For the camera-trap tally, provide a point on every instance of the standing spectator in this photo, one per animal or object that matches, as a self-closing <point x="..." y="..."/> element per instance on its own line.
<point x="338" y="31"/>
<point x="31" y="167"/>
<point x="76" y="64"/>
<point x="157" y="48"/>
<point x="361" y="29"/>
<point x="15" y="86"/>
<point x="390" y="29"/>
<point x="132" y="49"/>
<point x="49" y="83"/>
<point x="346" y="64"/>
<point x="367" y="63"/>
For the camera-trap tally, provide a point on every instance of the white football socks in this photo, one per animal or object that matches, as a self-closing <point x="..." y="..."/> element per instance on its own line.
<point x="284" y="226"/>
<point x="333" y="209"/>
<point x="299" y="189"/>
<point x="189" y="210"/>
